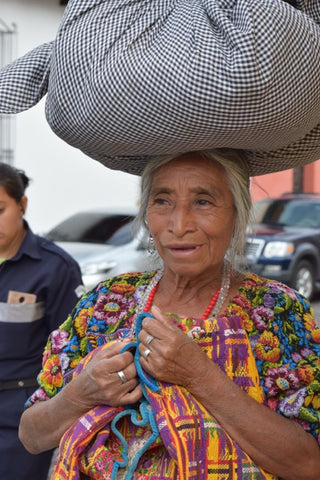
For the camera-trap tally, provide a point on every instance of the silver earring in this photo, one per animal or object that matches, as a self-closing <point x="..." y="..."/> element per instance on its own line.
<point x="151" y="246"/>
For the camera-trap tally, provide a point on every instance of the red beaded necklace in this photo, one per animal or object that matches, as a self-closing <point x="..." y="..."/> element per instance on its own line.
<point x="206" y="314"/>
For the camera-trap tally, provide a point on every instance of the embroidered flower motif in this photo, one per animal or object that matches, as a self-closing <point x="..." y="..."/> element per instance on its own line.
<point x="290" y="406"/>
<point x="267" y="347"/>
<point x="102" y="463"/>
<point x="52" y="372"/>
<point x="64" y="361"/>
<point x="311" y="325"/>
<point x="72" y="346"/>
<point x="268" y="300"/>
<point x="309" y="321"/>
<point x="59" y="339"/>
<point x="306" y="352"/>
<point x="113" y="307"/>
<point x="305" y="374"/>
<point x="276" y="287"/>
<point x="100" y="307"/>
<point x="80" y="322"/>
<point x="123" y="288"/>
<point x="296" y="357"/>
<point x="279" y="380"/>
<point x="261" y="316"/>
<point x="243" y="303"/>
<point x="99" y="466"/>
<point x="313" y="400"/>
<point x="96" y="326"/>
<point x="247" y="322"/>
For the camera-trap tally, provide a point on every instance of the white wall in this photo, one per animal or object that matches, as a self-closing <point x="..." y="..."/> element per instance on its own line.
<point x="64" y="180"/>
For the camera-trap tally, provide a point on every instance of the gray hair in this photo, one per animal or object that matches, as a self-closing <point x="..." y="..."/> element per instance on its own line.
<point x="236" y="168"/>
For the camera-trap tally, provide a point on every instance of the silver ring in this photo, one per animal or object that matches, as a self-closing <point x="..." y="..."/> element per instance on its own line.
<point x="149" y="339"/>
<point x="122" y="376"/>
<point x="146" y="353"/>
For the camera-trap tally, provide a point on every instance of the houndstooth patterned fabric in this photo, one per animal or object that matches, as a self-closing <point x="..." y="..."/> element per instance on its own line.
<point x="127" y="80"/>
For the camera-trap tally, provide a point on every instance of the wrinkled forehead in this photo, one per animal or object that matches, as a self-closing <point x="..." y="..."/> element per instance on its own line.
<point x="201" y="169"/>
<point x="190" y="175"/>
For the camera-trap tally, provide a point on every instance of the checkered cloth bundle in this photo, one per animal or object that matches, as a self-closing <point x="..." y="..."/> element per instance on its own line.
<point x="129" y="80"/>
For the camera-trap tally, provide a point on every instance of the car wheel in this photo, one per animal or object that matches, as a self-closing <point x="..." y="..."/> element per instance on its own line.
<point x="303" y="279"/>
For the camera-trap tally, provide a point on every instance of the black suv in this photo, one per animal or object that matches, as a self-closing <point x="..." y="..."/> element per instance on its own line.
<point x="284" y="241"/>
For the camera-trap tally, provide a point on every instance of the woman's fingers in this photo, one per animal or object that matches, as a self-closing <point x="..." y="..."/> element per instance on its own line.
<point x="169" y="354"/>
<point x="131" y="397"/>
<point x="110" y="377"/>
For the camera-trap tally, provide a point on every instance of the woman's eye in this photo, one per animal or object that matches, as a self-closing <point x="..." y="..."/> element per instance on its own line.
<point x="203" y="201"/>
<point x="160" y="201"/>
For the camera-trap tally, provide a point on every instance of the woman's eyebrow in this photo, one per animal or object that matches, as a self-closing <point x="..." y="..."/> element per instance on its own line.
<point x="157" y="190"/>
<point x="213" y="191"/>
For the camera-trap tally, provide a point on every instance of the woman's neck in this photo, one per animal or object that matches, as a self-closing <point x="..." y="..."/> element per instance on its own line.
<point x="182" y="295"/>
<point x="189" y="287"/>
<point x="11" y="250"/>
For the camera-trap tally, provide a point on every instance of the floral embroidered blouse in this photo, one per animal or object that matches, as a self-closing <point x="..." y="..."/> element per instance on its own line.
<point x="279" y="322"/>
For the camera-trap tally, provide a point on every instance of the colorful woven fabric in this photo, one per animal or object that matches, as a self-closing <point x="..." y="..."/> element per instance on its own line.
<point x="265" y="341"/>
<point x="198" y="447"/>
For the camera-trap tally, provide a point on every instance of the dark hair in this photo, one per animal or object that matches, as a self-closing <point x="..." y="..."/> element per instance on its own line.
<point x="14" y="181"/>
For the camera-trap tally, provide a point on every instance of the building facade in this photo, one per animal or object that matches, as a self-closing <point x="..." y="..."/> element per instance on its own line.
<point x="275" y="184"/>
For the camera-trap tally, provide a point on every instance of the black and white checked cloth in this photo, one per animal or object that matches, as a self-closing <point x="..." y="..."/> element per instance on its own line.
<point x="126" y="80"/>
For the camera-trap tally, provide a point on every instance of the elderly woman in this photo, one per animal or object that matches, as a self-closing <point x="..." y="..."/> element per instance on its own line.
<point x="219" y="381"/>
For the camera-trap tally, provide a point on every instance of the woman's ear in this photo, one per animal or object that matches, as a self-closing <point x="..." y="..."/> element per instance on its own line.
<point x="23" y="204"/>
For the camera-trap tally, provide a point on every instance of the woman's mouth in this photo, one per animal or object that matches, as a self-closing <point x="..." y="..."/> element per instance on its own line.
<point x="183" y="250"/>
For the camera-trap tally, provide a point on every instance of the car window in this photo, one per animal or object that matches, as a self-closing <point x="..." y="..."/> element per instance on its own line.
<point x="288" y="213"/>
<point x="122" y="236"/>
<point x="91" y="227"/>
<point x="267" y="211"/>
<point x="106" y="229"/>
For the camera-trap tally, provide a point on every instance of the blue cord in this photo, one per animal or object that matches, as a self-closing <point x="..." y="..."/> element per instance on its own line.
<point x="147" y="414"/>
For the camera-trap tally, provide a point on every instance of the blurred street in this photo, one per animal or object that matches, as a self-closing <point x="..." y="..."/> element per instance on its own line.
<point x="316" y="307"/>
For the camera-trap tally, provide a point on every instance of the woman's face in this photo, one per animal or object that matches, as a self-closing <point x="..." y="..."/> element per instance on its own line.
<point x="191" y="215"/>
<point x="11" y="223"/>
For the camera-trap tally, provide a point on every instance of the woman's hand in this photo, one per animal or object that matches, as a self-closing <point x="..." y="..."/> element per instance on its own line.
<point x="173" y="357"/>
<point x="100" y="383"/>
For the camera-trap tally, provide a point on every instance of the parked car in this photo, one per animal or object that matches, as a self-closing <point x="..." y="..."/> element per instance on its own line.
<point x="103" y="242"/>
<point x="284" y="242"/>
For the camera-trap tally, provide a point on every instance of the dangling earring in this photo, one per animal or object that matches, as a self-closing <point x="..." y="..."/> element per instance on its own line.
<point x="151" y="249"/>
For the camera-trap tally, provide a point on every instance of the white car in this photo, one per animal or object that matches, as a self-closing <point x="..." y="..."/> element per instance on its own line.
<point x="103" y="243"/>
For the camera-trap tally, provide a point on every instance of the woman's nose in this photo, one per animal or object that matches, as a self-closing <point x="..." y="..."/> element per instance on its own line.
<point x="181" y="220"/>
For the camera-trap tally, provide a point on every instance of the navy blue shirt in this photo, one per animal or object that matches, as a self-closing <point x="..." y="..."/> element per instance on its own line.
<point x="51" y="276"/>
